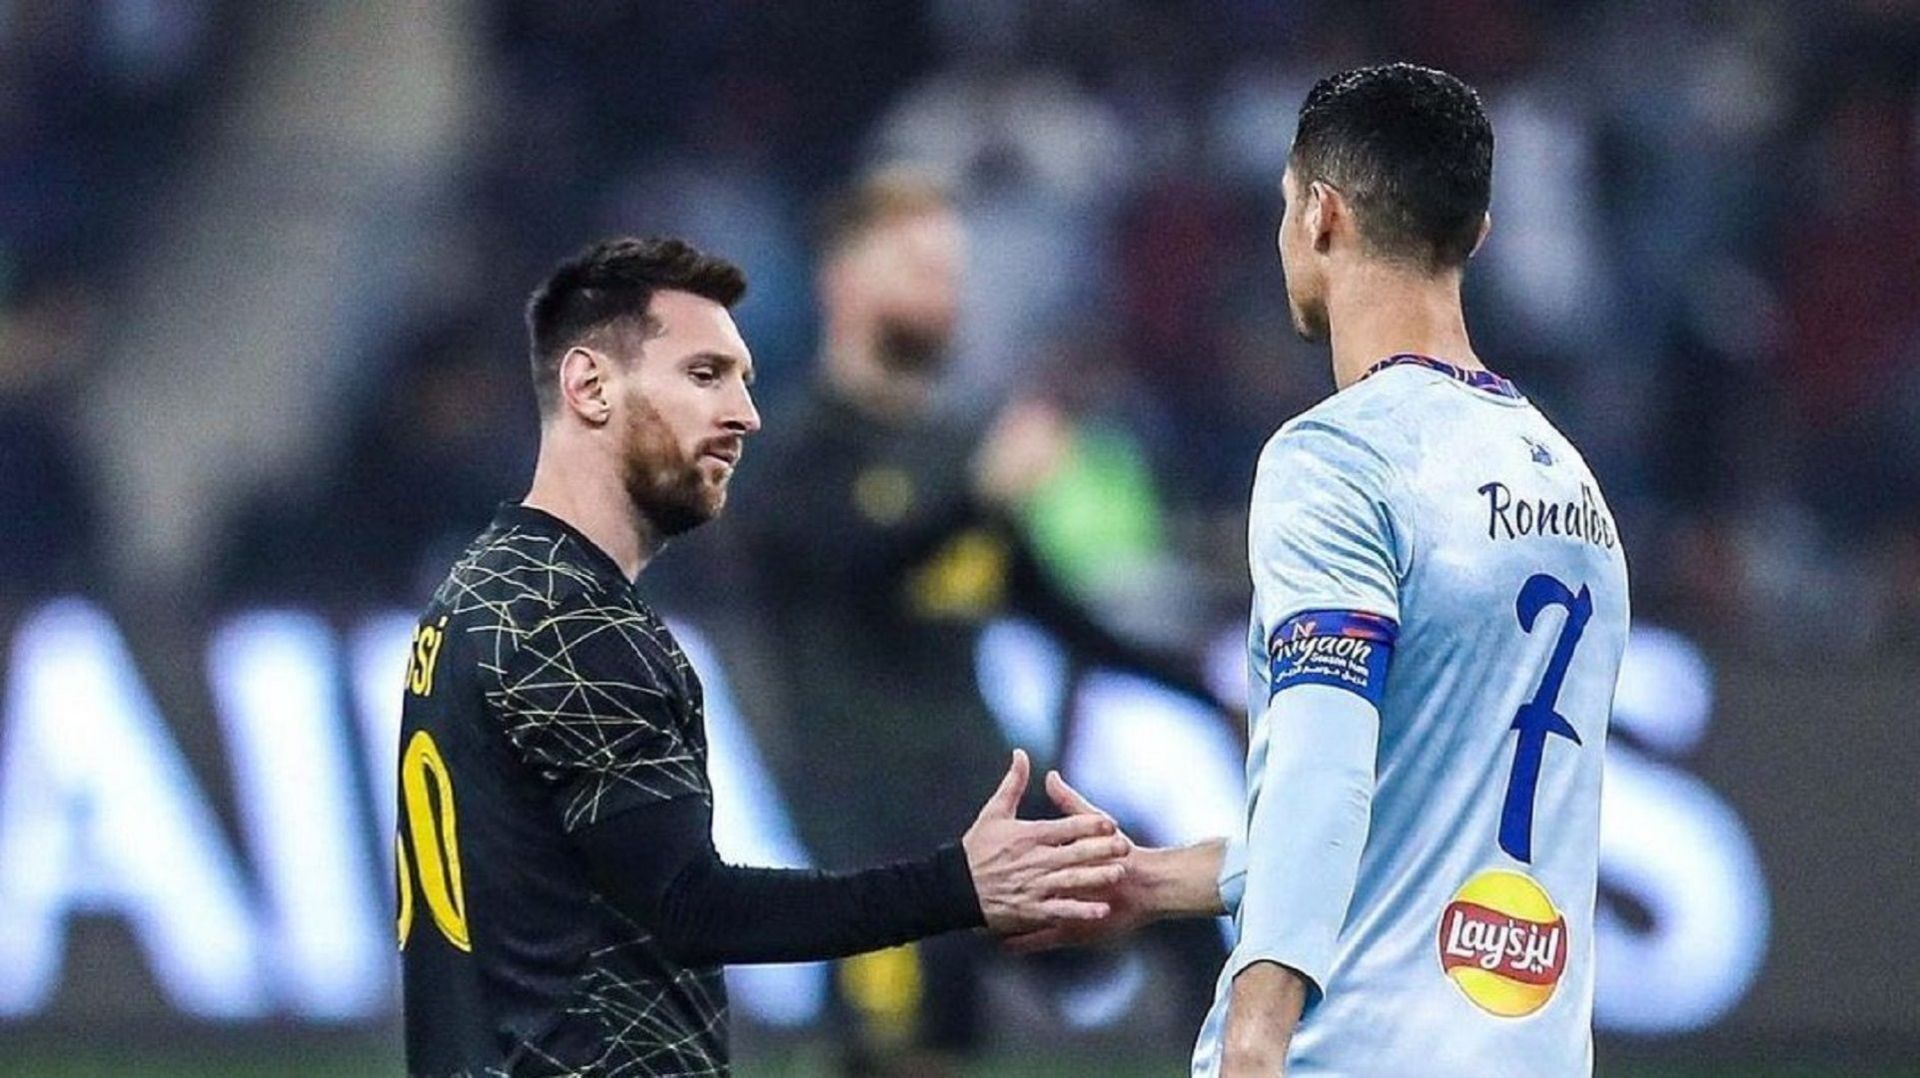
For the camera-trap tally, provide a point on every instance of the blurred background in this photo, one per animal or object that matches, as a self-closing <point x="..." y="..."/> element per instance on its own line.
<point x="262" y="375"/>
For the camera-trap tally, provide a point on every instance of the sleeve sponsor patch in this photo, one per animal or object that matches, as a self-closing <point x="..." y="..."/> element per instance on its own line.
<point x="1343" y="648"/>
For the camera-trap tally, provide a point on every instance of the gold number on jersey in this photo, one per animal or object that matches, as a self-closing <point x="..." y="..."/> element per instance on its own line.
<point x="426" y="653"/>
<point x="427" y="793"/>
<point x="406" y="888"/>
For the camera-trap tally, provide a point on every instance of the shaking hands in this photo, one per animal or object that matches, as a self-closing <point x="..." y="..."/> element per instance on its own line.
<point x="1152" y="884"/>
<point x="1078" y="880"/>
<point x="1035" y="875"/>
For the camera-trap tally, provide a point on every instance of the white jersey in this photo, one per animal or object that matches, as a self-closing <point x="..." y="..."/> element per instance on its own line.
<point x="1440" y="607"/>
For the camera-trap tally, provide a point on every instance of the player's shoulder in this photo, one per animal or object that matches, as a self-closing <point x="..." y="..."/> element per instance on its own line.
<point x="518" y="574"/>
<point x="1360" y="430"/>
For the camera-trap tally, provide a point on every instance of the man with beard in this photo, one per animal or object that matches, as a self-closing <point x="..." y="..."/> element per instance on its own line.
<point x="562" y="909"/>
<point x="885" y="538"/>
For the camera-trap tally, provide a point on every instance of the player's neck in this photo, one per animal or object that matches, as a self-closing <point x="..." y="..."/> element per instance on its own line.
<point x="1382" y="311"/>
<point x="592" y="500"/>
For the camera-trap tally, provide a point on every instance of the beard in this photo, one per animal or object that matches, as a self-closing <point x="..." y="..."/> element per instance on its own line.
<point x="909" y="346"/>
<point x="667" y="486"/>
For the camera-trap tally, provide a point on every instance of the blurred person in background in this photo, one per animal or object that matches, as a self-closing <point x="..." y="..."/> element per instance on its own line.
<point x="426" y="463"/>
<point x="1853" y="320"/>
<point x="562" y="908"/>
<point x="48" y="516"/>
<point x="885" y="535"/>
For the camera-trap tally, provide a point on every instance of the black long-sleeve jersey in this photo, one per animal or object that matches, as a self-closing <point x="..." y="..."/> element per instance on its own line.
<point x="878" y="567"/>
<point x="561" y="909"/>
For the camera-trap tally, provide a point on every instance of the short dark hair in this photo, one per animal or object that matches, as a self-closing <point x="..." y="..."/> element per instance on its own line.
<point x="612" y="284"/>
<point x="1411" y="149"/>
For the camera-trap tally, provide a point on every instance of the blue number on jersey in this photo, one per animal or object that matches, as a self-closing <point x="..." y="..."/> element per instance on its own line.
<point x="1536" y="719"/>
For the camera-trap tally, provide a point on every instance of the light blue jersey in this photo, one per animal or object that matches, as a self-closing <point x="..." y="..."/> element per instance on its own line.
<point x="1440" y="607"/>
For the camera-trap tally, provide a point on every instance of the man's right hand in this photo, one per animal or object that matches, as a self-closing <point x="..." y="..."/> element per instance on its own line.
<point x="1026" y="872"/>
<point x="1174" y="882"/>
<point x="1026" y="447"/>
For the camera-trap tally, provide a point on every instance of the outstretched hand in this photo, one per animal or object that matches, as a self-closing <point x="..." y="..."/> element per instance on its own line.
<point x="1126" y="897"/>
<point x="1034" y="874"/>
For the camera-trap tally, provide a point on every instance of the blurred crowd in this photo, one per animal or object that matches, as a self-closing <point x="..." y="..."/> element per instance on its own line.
<point x="1705" y="264"/>
<point x="92" y="107"/>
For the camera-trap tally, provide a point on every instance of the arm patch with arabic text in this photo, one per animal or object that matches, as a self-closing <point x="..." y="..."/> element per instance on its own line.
<point x="1347" y="649"/>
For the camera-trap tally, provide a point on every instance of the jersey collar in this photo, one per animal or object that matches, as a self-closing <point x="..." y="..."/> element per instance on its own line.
<point x="1483" y="380"/>
<point x="521" y="514"/>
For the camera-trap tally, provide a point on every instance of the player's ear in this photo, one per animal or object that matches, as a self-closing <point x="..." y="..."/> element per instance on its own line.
<point x="1326" y="211"/>
<point x="1486" y="226"/>
<point x="583" y="384"/>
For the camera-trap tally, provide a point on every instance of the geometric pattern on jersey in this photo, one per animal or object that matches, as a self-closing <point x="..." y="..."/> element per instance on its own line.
<point x="641" y="1037"/>
<point x="592" y="688"/>
<point x="605" y="712"/>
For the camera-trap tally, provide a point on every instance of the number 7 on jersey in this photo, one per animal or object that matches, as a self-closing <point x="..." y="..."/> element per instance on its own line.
<point x="1537" y="720"/>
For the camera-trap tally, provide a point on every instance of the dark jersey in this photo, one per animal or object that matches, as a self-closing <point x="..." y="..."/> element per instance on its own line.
<point x="543" y="696"/>
<point x="878" y="567"/>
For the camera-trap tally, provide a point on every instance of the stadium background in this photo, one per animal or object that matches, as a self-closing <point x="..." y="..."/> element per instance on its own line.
<point x="260" y="372"/>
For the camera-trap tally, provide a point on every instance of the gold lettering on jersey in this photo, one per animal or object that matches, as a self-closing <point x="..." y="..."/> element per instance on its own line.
<point x="426" y="654"/>
<point x="427" y="792"/>
<point x="406" y="888"/>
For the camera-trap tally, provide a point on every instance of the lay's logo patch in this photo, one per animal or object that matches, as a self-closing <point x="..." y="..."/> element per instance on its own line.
<point x="1504" y="944"/>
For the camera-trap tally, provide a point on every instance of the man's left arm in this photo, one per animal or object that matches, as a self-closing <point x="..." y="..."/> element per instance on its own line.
<point x="1268" y="999"/>
<point x="1303" y="856"/>
<point x="1326" y="554"/>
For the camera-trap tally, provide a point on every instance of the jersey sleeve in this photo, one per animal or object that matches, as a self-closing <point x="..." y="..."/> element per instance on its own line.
<point x="1326" y="559"/>
<point x="658" y="866"/>
<point x="592" y="705"/>
<point x="1323" y="532"/>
